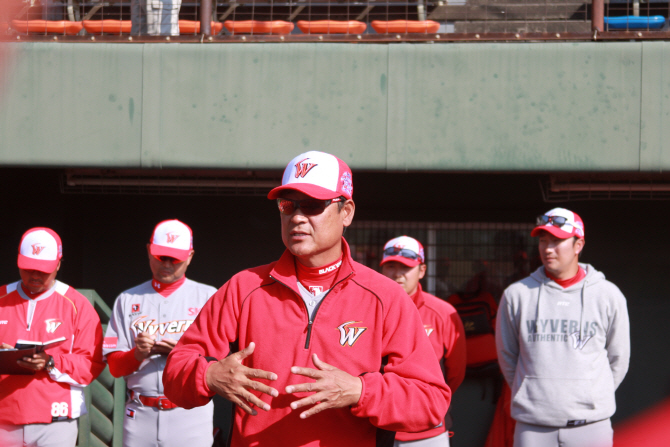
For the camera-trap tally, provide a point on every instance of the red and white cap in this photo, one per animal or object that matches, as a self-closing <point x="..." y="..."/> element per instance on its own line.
<point x="573" y="226"/>
<point x="40" y="249"/>
<point x="318" y="174"/>
<point x="172" y="238"/>
<point x="405" y="250"/>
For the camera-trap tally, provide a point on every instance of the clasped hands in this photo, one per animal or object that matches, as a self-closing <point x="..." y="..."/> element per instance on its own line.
<point x="333" y="388"/>
<point x="146" y="345"/>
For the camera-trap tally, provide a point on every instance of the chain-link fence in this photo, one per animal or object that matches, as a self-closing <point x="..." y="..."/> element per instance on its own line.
<point x="466" y="257"/>
<point x="382" y="20"/>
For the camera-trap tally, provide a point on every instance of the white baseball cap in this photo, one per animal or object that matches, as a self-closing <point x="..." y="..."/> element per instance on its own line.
<point x="172" y="238"/>
<point x="318" y="174"/>
<point x="403" y="249"/>
<point x="40" y="249"/>
<point x="560" y="222"/>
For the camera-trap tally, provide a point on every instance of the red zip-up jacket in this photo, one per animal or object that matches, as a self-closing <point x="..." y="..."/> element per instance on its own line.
<point x="366" y="325"/>
<point x="57" y="395"/>
<point x="446" y="334"/>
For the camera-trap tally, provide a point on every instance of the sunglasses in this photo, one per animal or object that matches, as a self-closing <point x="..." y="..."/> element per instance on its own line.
<point x="405" y="253"/>
<point x="168" y="258"/>
<point x="309" y="207"/>
<point x="557" y="221"/>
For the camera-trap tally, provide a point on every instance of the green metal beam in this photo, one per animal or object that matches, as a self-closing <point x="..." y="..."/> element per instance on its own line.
<point x="588" y="106"/>
<point x="105" y="397"/>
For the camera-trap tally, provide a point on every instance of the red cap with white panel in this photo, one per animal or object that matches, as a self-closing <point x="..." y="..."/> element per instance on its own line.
<point x="560" y="222"/>
<point x="318" y="174"/>
<point x="40" y="249"/>
<point x="172" y="238"/>
<point x="404" y="249"/>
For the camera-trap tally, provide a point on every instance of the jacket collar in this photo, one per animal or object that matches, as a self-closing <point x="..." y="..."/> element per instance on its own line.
<point x="418" y="298"/>
<point x="284" y="269"/>
<point x="592" y="276"/>
<point x="43" y="296"/>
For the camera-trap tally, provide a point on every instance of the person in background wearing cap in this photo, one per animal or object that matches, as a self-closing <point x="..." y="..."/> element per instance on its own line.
<point x="41" y="407"/>
<point x="404" y="262"/>
<point x="332" y="352"/>
<point x="563" y="343"/>
<point x="146" y="323"/>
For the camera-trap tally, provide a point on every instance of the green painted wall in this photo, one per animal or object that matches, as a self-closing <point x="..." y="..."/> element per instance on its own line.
<point x="454" y="107"/>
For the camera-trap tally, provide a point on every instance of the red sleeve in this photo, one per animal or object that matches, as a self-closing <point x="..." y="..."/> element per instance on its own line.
<point x="412" y="380"/>
<point x="84" y="363"/>
<point x="455" y="356"/>
<point x="209" y="335"/>
<point x="122" y="363"/>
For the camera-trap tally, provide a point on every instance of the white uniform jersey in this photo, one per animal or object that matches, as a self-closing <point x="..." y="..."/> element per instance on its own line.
<point x="143" y="309"/>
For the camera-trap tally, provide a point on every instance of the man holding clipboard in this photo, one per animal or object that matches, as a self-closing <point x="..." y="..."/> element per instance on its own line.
<point x="41" y="395"/>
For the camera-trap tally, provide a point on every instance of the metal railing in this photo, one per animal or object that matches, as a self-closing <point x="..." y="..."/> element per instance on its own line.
<point x="105" y="396"/>
<point x="335" y="20"/>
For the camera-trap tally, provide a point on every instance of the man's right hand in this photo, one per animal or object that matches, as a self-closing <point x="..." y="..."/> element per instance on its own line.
<point x="230" y="379"/>
<point x="143" y="344"/>
<point x="6" y="346"/>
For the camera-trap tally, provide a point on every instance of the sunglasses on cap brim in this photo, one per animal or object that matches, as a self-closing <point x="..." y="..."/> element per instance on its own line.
<point x="557" y="221"/>
<point x="309" y="207"/>
<point x="405" y="253"/>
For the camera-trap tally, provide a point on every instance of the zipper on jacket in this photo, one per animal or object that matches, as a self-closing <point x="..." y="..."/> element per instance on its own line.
<point x="309" y="331"/>
<point x="310" y="322"/>
<point x="30" y="313"/>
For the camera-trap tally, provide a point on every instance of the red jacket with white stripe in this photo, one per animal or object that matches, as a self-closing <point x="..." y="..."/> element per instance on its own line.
<point x="366" y="325"/>
<point x="58" y="395"/>
<point x="446" y="334"/>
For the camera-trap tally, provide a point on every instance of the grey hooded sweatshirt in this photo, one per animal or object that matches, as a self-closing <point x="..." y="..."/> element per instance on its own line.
<point x="563" y="352"/>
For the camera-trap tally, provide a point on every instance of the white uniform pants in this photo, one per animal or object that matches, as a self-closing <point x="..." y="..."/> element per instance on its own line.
<point x="597" y="434"/>
<point x="155" y="17"/>
<point x="150" y="427"/>
<point x="55" y="434"/>
<point x="441" y="440"/>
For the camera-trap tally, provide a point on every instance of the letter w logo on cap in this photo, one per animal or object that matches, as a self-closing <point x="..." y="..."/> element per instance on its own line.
<point x="37" y="249"/>
<point x="302" y="168"/>
<point x="171" y="237"/>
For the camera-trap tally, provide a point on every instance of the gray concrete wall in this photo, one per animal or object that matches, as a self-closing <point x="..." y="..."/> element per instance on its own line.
<point x="477" y="107"/>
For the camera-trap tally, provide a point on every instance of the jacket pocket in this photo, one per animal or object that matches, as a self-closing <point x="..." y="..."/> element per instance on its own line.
<point x="551" y="401"/>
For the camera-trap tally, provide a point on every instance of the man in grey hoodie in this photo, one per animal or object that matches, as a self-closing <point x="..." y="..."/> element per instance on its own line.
<point x="562" y="336"/>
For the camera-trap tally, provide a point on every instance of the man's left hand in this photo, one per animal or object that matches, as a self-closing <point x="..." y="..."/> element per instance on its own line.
<point x="333" y="388"/>
<point x="36" y="363"/>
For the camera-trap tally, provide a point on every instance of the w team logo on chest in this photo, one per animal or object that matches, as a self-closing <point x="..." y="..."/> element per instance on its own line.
<point x="52" y="324"/>
<point x="350" y="334"/>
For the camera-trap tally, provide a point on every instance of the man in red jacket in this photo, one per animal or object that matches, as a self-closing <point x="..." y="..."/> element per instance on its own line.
<point x="333" y="352"/>
<point x="404" y="262"/>
<point x="40" y="406"/>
